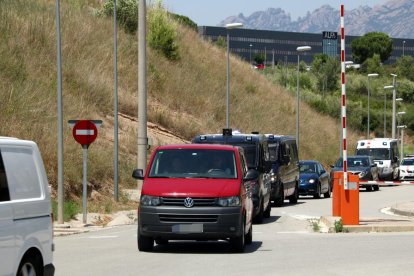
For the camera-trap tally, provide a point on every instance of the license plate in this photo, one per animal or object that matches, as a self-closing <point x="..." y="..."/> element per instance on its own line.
<point x="188" y="228"/>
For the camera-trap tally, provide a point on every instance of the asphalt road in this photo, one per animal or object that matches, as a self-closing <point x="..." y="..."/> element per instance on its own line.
<point x="284" y="245"/>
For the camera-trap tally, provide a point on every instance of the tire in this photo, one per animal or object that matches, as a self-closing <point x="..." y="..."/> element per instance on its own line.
<point x="30" y="265"/>
<point x="237" y="243"/>
<point x="280" y="200"/>
<point x="317" y="195"/>
<point x="259" y="217"/>
<point x="376" y="187"/>
<point x="266" y="213"/>
<point x="369" y="188"/>
<point x="248" y="238"/>
<point x="328" y="193"/>
<point x="293" y="199"/>
<point x="145" y="244"/>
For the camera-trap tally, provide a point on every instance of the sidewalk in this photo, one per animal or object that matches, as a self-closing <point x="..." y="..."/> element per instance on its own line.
<point x="404" y="222"/>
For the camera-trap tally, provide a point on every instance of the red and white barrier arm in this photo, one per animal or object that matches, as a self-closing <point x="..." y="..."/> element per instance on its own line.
<point x="385" y="183"/>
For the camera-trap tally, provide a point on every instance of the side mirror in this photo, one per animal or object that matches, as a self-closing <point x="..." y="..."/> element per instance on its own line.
<point x="138" y="174"/>
<point x="374" y="165"/>
<point x="323" y="171"/>
<point x="251" y="175"/>
<point x="395" y="159"/>
<point x="286" y="159"/>
<point x="332" y="166"/>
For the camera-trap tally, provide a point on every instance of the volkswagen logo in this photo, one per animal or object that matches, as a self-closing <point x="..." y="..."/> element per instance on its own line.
<point x="188" y="202"/>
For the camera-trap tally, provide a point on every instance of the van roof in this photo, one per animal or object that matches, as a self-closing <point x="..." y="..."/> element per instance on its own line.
<point x="197" y="146"/>
<point x="375" y="143"/>
<point x="276" y="137"/>
<point x="235" y="137"/>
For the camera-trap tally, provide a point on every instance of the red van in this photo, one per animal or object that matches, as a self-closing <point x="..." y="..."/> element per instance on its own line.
<point x="195" y="192"/>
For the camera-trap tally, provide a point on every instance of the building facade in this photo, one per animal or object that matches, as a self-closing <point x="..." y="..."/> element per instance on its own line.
<point x="280" y="47"/>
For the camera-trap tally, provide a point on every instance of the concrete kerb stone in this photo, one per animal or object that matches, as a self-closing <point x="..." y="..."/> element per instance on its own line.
<point x="403" y="209"/>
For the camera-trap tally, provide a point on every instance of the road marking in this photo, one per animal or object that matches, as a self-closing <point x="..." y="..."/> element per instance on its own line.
<point x="293" y="232"/>
<point x="303" y="217"/>
<point x="103" y="237"/>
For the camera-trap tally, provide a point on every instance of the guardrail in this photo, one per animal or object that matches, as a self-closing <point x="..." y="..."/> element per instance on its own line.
<point x="387" y="183"/>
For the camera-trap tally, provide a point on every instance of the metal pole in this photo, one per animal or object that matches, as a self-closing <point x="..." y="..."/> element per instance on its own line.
<point x="273" y="59"/>
<point x="142" y="88"/>
<point x="385" y="114"/>
<point x="297" y="107"/>
<point x="369" y="87"/>
<point x="394" y="92"/>
<point x="250" y="54"/>
<point x="60" y="117"/>
<point x="228" y="80"/>
<point x="84" y="185"/>
<point x="402" y="145"/>
<point x="116" y="193"/>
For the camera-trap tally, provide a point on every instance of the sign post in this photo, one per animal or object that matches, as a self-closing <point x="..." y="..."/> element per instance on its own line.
<point x="85" y="133"/>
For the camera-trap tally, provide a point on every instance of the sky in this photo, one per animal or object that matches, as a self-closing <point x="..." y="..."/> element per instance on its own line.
<point x="211" y="12"/>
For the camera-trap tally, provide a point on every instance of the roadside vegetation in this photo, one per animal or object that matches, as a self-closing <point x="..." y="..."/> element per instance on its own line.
<point x="186" y="91"/>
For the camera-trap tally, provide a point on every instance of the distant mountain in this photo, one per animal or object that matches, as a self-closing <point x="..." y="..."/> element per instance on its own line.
<point x="396" y="18"/>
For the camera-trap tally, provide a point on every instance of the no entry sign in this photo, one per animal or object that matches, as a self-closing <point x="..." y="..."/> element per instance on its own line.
<point x="85" y="132"/>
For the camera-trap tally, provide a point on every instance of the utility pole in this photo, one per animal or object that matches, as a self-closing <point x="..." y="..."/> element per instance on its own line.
<point x="142" y="88"/>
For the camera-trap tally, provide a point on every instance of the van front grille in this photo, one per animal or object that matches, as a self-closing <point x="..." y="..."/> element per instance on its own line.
<point x="179" y="201"/>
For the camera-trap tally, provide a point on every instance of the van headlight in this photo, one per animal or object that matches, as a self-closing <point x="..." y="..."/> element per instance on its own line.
<point x="231" y="201"/>
<point x="147" y="200"/>
<point x="311" y="181"/>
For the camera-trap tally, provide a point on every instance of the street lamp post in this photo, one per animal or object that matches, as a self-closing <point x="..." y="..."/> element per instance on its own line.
<point x="399" y="114"/>
<point x="402" y="141"/>
<point x="385" y="108"/>
<point x="229" y="27"/>
<point x="250" y="52"/>
<point x="403" y="48"/>
<point x="299" y="49"/>
<point x="373" y="75"/>
<point x="394" y="109"/>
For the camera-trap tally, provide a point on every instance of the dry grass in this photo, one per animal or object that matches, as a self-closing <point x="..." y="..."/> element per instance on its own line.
<point x="185" y="96"/>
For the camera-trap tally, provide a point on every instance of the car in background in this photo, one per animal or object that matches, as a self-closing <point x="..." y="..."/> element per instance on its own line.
<point x="285" y="169"/>
<point x="314" y="180"/>
<point x="407" y="169"/>
<point x="195" y="192"/>
<point x="259" y="66"/>
<point x="361" y="165"/>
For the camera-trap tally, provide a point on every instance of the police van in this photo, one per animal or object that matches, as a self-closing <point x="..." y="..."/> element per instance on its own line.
<point x="385" y="154"/>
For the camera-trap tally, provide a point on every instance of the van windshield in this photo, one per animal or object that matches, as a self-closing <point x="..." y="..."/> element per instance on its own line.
<point x="250" y="152"/>
<point x="377" y="154"/>
<point x="273" y="150"/>
<point x="194" y="163"/>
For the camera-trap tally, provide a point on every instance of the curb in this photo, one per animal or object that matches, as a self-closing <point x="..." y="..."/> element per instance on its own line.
<point x="402" y="212"/>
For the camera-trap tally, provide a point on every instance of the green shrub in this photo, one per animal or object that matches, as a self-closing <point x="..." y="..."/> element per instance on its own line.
<point x="126" y="13"/>
<point x="184" y="20"/>
<point x="162" y="36"/>
<point x="70" y="210"/>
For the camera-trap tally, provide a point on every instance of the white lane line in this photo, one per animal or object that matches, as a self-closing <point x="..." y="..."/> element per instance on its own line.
<point x="102" y="237"/>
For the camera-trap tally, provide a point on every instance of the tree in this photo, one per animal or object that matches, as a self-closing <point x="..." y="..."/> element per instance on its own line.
<point x="405" y="67"/>
<point x="371" y="43"/>
<point x="373" y="65"/>
<point x="326" y="70"/>
<point x="259" y="58"/>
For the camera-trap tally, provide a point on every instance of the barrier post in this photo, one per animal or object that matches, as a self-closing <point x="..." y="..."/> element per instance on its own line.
<point x="337" y="191"/>
<point x="350" y="201"/>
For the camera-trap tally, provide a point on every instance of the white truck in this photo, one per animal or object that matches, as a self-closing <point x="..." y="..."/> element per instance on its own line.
<point x="385" y="153"/>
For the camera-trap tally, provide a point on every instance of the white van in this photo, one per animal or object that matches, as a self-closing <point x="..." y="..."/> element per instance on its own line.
<point x="26" y="233"/>
<point x="385" y="154"/>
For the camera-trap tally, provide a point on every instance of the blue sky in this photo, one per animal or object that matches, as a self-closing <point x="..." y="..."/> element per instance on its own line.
<point x="211" y="12"/>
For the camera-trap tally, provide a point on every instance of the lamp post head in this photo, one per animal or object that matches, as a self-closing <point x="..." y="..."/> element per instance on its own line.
<point x="399" y="99"/>
<point x="303" y="48"/>
<point x="401" y="113"/>
<point x="404" y="126"/>
<point x="394" y="75"/>
<point x="234" y="25"/>
<point x="389" y="87"/>
<point x="373" y="75"/>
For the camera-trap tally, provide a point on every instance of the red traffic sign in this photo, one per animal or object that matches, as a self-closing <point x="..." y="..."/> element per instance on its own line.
<point x="84" y="132"/>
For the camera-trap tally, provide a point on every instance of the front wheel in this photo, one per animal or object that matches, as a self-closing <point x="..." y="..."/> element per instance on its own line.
<point x="248" y="238"/>
<point x="237" y="243"/>
<point x="145" y="244"/>
<point x="266" y="213"/>
<point x="30" y="266"/>
<point x="317" y="195"/>
<point x="328" y="193"/>
<point x="293" y="199"/>
<point x="280" y="200"/>
<point x="259" y="217"/>
<point x="376" y="187"/>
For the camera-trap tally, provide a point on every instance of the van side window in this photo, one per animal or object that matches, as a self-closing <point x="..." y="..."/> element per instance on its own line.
<point x="20" y="167"/>
<point x="4" y="187"/>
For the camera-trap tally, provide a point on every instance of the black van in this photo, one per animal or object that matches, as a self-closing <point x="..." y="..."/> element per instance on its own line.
<point x="257" y="157"/>
<point x="285" y="168"/>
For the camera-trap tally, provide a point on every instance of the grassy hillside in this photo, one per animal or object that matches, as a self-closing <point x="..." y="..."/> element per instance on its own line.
<point x="186" y="96"/>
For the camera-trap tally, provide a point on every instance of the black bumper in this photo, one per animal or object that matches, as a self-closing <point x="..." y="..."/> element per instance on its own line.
<point x="190" y="223"/>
